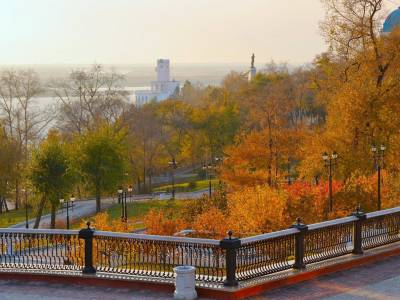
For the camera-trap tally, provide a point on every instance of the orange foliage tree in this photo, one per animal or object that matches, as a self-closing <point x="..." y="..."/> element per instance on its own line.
<point x="255" y="210"/>
<point x="158" y="223"/>
<point x="211" y="224"/>
<point x="102" y="221"/>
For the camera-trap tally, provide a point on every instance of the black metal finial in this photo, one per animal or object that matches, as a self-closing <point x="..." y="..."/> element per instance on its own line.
<point x="230" y="234"/>
<point x="88" y="225"/>
<point x="358" y="208"/>
<point x="298" y="220"/>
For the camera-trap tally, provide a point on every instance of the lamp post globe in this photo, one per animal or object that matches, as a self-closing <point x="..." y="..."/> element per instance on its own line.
<point x="325" y="156"/>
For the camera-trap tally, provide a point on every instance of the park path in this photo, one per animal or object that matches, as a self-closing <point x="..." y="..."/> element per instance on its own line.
<point x="87" y="208"/>
<point x="376" y="281"/>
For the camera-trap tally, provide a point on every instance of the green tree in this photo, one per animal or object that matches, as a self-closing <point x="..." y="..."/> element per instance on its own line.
<point x="102" y="154"/>
<point x="9" y="157"/>
<point x="51" y="174"/>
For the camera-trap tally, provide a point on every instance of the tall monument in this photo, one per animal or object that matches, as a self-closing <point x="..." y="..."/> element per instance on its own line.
<point x="253" y="70"/>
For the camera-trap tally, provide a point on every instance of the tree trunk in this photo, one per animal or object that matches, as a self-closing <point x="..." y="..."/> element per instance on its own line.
<point x="16" y="194"/>
<point x="150" y="182"/>
<point x="139" y="186"/>
<point x="5" y="204"/>
<point x="270" y="143"/>
<point x="1" y="204"/>
<point x="79" y="192"/>
<point x="53" y="216"/>
<point x="39" y="213"/>
<point x="98" y="202"/>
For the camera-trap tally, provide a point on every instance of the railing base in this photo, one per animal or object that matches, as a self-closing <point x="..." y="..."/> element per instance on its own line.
<point x="242" y="290"/>
<point x="89" y="271"/>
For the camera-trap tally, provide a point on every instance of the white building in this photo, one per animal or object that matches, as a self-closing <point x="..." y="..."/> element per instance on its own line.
<point x="160" y="89"/>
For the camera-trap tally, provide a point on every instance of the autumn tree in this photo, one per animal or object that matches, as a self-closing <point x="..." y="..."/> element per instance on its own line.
<point x="51" y="174"/>
<point x="9" y="158"/>
<point x="255" y="210"/>
<point x="101" y="159"/>
<point x="88" y="96"/>
<point x="23" y="121"/>
<point x="145" y="140"/>
<point x="358" y="82"/>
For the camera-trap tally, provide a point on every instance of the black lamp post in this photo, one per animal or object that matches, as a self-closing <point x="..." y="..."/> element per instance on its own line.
<point x="26" y="208"/>
<point x="72" y="200"/>
<point x="218" y="160"/>
<point x="330" y="162"/>
<point x="130" y="190"/>
<point x="379" y="155"/>
<point x="125" y="208"/>
<point x="208" y="169"/>
<point x="122" y="200"/>
<point x="173" y="165"/>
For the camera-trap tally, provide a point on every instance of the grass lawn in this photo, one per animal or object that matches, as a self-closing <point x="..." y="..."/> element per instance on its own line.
<point x="139" y="209"/>
<point x="16" y="216"/>
<point x="186" y="186"/>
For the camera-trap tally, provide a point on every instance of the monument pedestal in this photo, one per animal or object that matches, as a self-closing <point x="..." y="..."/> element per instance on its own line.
<point x="252" y="73"/>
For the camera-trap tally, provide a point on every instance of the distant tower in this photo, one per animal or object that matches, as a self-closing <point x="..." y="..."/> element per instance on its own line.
<point x="162" y="69"/>
<point x="253" y="70"/>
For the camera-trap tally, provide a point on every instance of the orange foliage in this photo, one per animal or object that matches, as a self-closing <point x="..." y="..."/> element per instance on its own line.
<point x="101" y="221"/>
<point x="157" y="223"/>
<point x="211" y="224"/>
<point x="308" y="201"/>
<point x="255" y="210"/>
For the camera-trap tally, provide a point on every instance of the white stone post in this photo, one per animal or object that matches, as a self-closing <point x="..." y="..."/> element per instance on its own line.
<point x="185" y="283"/>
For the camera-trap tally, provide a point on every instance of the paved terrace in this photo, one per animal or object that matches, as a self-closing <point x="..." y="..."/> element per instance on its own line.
<point x="379" y="280"/>
<point x="365" y="248"/>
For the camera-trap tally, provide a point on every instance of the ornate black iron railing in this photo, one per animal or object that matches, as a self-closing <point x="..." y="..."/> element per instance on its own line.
<point x="156" y="256"/>
<point x="266" y="254"/>
<point x="230" y="260"/>
<point x="40" y="249"/>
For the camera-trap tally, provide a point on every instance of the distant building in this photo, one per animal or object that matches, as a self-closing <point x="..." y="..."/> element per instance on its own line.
<point x="391" y="22"/>
<point x="162" y="88"/>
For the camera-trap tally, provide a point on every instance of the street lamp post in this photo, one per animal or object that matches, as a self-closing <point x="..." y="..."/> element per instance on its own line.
<point x="121" y="201"/>
<point x="26" y="208"/>
<point x="218" y="160"/>
<point x="130" y="190"/>
<point x="173" y="165"/>
<point x="72" y="200"/>
<point x="379" y="155"/>
<point x="125" y="208"/>
<point x="330" y="162"/>
<point x="208" y="168"/>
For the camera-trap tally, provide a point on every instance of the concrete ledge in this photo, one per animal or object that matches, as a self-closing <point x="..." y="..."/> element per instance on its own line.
<point x="217" y="291"/>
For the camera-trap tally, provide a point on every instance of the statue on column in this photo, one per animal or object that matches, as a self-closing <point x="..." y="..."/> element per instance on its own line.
<point x="253" y="71"/>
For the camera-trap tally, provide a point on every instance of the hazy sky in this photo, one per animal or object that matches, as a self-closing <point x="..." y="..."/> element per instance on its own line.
<point x="140" y="31"/>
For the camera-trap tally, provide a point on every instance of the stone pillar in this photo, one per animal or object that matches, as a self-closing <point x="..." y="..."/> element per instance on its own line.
<point x="185" y="283"/>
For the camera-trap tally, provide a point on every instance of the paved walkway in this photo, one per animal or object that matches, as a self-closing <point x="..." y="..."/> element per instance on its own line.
<point x="87" y="208"/>
<point x="18" y="290"/>
<point x="81" y="209"/>
<point x="377" y="281"/>
<point x="380" y="280"/>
